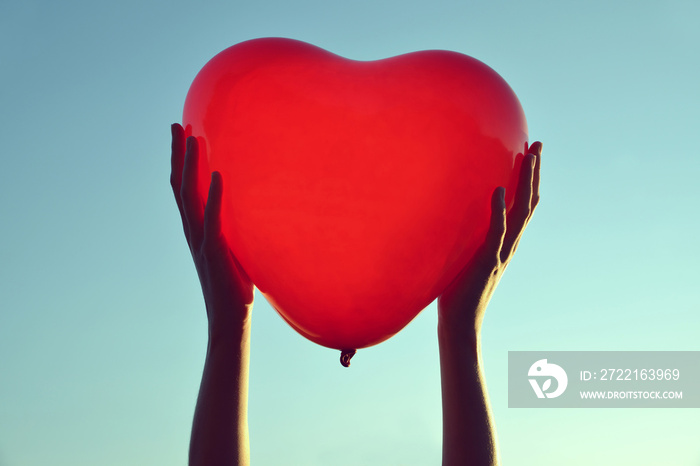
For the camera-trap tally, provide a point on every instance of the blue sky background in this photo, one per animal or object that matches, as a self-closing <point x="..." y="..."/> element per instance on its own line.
<point x="102" y="324"/>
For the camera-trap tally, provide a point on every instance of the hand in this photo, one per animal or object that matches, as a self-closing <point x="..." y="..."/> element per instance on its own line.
<point x="462" y="305"/>
<point x="220" y="427"/>
<point x="228" y="292"/>
<point x="468" y="428"/>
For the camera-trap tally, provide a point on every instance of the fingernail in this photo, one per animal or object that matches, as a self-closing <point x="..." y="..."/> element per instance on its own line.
<point x="536" y="148"/>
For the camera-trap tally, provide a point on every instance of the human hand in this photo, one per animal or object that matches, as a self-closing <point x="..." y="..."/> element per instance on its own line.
<point x="462" y="305"/>
<point x="228" y="292"/>
<point x="469" y="433"/>
<point x="220" y="427"/>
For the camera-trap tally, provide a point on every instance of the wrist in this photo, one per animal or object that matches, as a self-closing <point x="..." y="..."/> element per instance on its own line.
<point x="459" y="338"/>
<point x="459" y="325"/>
<point x="229" y="328"/>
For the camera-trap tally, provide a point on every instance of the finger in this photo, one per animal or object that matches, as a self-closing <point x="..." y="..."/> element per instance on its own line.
<point x="536" y="178"/>
<point x="212" y="211"/>
<point x="497" y="226"/>
<point x="487" y="257"/>
<point x="177" y="159"/>
<point x="520" y="212"/>
<point x="214" y="241"/>
<point x="192" y="202"/>
<point x="535" y="148"/>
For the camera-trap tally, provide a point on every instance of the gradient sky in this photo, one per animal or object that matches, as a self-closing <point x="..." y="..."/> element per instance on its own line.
<point x="102" y="324"/>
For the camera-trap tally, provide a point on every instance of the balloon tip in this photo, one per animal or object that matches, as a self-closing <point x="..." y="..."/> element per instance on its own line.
<point x="346" y="355"/>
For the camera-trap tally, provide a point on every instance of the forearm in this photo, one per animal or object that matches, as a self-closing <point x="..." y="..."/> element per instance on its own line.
<point x="469" y="434"/>
<point x="220" y="428"/>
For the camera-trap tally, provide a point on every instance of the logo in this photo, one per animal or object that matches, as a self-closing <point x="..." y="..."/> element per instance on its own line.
<point x="542" y="369"/>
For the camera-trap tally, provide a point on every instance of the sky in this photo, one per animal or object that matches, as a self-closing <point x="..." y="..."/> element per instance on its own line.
<point x="102" y="323"/>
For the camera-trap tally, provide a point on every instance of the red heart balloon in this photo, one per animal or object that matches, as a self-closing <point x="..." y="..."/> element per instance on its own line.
<point x="355" y="191"/>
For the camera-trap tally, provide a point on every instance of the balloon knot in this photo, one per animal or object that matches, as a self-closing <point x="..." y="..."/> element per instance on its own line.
<point x="346" y="355"/>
